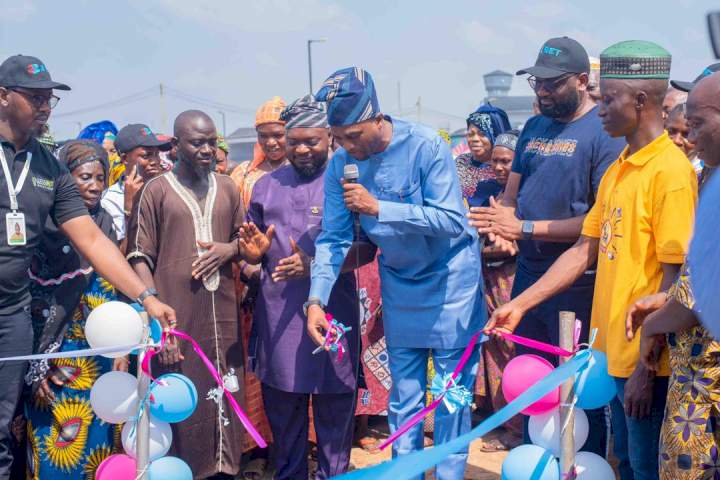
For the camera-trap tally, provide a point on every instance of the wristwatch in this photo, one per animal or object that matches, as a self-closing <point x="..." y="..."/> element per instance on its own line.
<point x="312" y="301"/>
<point x="527" y="229"/>
<point x="148" y="292"/>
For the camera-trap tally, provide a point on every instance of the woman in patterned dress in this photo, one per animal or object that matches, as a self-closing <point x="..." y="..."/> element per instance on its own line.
<point x="690" y="435"/>
<point x="64" y="439"/>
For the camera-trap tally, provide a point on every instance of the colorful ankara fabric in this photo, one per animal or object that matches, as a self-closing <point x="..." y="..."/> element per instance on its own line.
<point x="690" y="436"/>
<point x="65" y="439"/>
<point x="635" y="59"/>
<point x="305" y="112"/>
<point x="491" y="121"/>
<point x="477" y="180"/>
<point x="350" y="96"/>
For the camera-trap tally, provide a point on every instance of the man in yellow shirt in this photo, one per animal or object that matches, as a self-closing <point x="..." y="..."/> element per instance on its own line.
<point x="637" y="231"/>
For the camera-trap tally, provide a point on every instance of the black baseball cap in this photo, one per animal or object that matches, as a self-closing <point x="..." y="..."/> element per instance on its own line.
<point x="559" y="56"/>
<point x="27" y="72"/>
<point x="687" y="86"/>
<point x="138" y="135"/>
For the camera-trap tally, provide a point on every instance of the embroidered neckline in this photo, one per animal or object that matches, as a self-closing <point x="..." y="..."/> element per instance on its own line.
<point x="202" y="220"/>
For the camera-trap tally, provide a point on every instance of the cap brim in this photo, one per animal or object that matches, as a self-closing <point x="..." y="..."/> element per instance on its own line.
<point x="155" y="142"/>
<point x="541" y="72"/>
<point x="683" y="86"/>
<point x="47" y="84"/>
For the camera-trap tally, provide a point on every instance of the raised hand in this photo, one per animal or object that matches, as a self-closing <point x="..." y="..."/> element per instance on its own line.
<point x="253" y="244"/>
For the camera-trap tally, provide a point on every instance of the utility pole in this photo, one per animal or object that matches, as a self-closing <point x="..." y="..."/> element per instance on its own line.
<point x="399" y="99"/>
<point x="419" y="109"/>
<point x="309" y="50"/>
<point x="163" y="112"/>
<point x="79" y="124"/>
<point x="222" y="114"/>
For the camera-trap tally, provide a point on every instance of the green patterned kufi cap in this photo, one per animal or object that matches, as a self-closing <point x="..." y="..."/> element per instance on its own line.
<point x="635" y="59"/>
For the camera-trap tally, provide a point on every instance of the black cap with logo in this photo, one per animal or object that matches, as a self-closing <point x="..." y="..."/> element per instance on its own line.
<point x="27" y="72"/>
<point x="138" y="135"/>
<point x="557" y="57"/>
<point x="687" y="86"/>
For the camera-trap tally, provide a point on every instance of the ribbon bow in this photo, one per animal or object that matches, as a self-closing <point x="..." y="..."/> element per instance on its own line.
<point x="454" y="396"/>
<point x="333" y="338"/>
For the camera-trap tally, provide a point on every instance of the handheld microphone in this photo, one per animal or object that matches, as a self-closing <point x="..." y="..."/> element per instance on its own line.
<point x="351" y="175"/>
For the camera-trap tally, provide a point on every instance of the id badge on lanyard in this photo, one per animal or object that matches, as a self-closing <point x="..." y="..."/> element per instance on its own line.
<point x="15" y="220"/>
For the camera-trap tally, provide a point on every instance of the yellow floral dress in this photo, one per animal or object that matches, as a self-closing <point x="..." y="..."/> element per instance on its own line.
<point x="690" y="439"/>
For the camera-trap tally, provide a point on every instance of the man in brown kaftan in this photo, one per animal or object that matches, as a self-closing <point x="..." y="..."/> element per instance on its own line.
<point x="182" y="238"/>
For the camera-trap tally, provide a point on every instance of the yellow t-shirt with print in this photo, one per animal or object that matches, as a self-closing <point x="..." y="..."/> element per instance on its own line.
<point x="643" y="216"/>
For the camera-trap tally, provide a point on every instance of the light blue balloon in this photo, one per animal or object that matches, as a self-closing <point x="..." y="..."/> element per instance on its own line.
<point x="169" y="468"/>
<point x="155" y="327"/>
<point x="530" y="462"/>
<point x="594" y="386"/>
<point x="175" y="399"/>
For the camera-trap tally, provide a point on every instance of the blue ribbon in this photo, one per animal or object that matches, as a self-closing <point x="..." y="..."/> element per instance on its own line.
<point x="454" y="396"/>
<point x="416" y="463"/>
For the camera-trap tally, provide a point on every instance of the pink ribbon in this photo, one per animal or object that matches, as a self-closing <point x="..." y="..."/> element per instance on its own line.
<point x="426" y="411"/>
<point x="216" y="375"/>
<point x="61" y="278"/>
<point x="529" y="342"/>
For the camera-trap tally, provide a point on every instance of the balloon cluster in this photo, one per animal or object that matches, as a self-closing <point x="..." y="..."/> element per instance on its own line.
<point x="594" y="388"/>
<point x="172" y="398"/>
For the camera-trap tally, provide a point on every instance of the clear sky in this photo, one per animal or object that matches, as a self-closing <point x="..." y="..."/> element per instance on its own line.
<point x="240" y="53"/>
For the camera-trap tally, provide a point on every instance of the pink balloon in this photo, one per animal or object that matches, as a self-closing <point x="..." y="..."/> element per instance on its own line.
<point x="521" y="373"/>
<point x="117" y="467"/>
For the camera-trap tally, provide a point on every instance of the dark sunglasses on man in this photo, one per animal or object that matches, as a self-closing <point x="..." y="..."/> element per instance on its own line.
<point x="549" y="84"/>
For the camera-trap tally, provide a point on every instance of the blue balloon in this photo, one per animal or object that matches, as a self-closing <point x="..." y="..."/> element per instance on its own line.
<point x="174" y="398"/>
<point x="530" y="462"/>
<point x="594" y="386"/>
<point x="169" y="468"/>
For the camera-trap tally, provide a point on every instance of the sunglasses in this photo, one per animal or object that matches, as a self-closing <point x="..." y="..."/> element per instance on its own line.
<point x="38" y="100"/>
<point x="549" y="84"/>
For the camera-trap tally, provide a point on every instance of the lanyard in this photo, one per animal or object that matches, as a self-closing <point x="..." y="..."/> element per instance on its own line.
<point x="14" y="191"/>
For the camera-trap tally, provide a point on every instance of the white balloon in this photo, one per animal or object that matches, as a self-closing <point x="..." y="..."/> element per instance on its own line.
<point x="591" y="466"/>
<point x="160" y="438"/>
<point x="544" y="430"/>
<point x="113" y="324"/>
<point x="113" y="397"/>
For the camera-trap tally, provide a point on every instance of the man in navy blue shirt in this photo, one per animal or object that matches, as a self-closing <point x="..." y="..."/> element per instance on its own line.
<point x="560" y="158"/>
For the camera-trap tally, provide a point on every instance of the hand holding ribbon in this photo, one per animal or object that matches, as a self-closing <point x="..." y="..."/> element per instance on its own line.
<point x="333" y="338"/>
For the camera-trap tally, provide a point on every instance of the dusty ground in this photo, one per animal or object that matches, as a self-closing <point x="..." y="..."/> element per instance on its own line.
<point x="481" y="465"/>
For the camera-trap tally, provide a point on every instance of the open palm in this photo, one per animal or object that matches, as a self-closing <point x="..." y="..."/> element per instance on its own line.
<point x="254" y="243"/>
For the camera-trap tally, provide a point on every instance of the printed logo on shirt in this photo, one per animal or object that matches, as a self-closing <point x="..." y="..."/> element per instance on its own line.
<point x="44" y="183"/>
<point x="551" y="146"/>
<point x="609" y="234"/>
<point x="35" y="68"/>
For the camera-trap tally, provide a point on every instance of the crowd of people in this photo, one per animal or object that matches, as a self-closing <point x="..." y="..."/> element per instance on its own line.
<point x="350" y="220"/>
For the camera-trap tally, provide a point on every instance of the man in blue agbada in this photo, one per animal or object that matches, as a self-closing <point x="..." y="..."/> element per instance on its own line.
<point x="409" y="204"/>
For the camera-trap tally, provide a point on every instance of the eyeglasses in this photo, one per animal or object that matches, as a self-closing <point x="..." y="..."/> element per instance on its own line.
<point x="38" y="100"/>
<point x="549" y="84"/>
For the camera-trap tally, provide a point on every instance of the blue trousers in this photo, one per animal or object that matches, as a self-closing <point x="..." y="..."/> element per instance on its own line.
<point x="641" y="438"/>
<point x="408" y="368"/>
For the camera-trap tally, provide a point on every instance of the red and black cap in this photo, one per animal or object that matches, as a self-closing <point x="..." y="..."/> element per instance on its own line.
<point x="557" y="57"/>
<point x="27" y="72"/>
<point x="138" y="135"/>
<point x="687" y="86"/>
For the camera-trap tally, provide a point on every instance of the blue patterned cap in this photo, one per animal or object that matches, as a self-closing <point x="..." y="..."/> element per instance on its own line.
<point x="305" y="112"/>
<point x="350" y="96"/>
<point x="490" y="120"/>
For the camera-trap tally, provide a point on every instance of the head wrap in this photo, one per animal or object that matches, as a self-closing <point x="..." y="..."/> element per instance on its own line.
<point x="305" y="112"/>
<point x="635" y="59"/>
<point x="350" y="96"/>
<point x="269" y="112"/>
<point x="222" y="144"/>
<point x="97" y="131"/>
<point x="507" y="140"/>
<point x="491" y="121"/>
<point x="97" y="154"/>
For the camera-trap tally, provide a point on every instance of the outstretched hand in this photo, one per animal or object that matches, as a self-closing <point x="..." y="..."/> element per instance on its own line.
<point x="640" y="310"/>
<point x="296" y="265"/>
<point x="505" y="318"/>
<point x="254" y="244"/>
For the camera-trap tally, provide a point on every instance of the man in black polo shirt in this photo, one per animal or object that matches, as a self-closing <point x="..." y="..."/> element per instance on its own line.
<point x="33" y="187"/>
